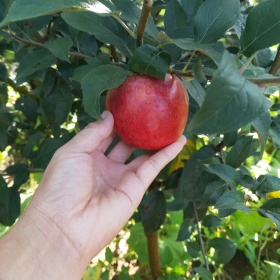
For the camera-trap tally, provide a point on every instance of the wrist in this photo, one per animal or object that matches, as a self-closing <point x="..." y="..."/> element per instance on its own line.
<point x="35" y="248"/>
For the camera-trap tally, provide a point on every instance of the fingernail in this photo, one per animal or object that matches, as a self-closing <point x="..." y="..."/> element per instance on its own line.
<point x="104" y="115"/>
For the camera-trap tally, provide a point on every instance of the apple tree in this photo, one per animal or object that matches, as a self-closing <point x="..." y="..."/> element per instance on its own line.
<point x="59" y="58"/>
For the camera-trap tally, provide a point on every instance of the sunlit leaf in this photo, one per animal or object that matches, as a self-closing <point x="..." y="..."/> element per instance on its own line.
<point x="184" y="155"/>
<point x="26" y="9"/>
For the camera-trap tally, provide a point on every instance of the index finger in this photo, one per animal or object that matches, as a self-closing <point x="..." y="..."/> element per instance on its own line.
<point x="151" y="167"/>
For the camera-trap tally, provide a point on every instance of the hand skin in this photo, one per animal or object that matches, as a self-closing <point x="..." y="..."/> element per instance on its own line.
<point x="81" y="204"/>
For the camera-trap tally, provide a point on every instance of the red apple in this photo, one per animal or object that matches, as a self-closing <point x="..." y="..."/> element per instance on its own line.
<point x="149" y="113"/>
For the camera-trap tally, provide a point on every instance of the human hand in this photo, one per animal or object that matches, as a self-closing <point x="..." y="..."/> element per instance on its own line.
<point x="86" y="197"/>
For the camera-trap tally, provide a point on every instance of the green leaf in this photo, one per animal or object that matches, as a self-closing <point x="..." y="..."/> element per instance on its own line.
<point x="96" y="81"/>
<point x="176" y="21"/>
<point x="186" y="230"/>
<point x="109" y="255"/>
<point x="153" y="211"/>
<point x="196" y="90"/>
<point x="261" y="125"/>
<point x="87" y="44"/>
<point x="193" y="180"/>
<point x="214" y="51"/>
<point x="34" y="61"/>
<point x="212" y="193"/>
<point x="198" y="73"/>
<point x="138" y="242"/>
<point x="56" y="100"/>
<point x="32" y="143"/>
<point x="81" y="71"/>
<point x="192" y="209"/>
<point x="226" y="212"/>
<point x="268" y="183"/>
<point x="26" y="9"/>
<point x="193" y="249"/>
<point x="191" y="7"/>
<point x="47" y="150"/>
<point x="271" y="209"/>
<point x="3" y="84"/>
<point x="211" y="221"/>
<point x="232" y="200"/>
<point x="21" y="173"/>
<point x="244" y="147"/>
<point x="106" y="30"/>
<point x="171" y="252"/>
<point x="150" y="61"/>
<point x="214" y="18"/>
<point x="250" y="223"/>
<point x="9" y="204"/>
<point x="230" y="138"/>
<point x="3" y="141"/>
<point x="60" y="47"/>
<point x="131" y="12"/>
<point x="225" y="249"/>
<point x="225" y="172"/>
<point x="230" y="103"/>
<point x="262" y="27"/>
<point x="274" y="131"/>
<point x="28" y="106"/>
<point x="203" y="273"/>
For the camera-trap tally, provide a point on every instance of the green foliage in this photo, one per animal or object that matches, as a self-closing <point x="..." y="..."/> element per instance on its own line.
<point x="150" y="61"/>
<point x="220" y="17"/>
<point x="261" y="30"/>
<point x="96" y="81"/>
<point x="59" y="58"/>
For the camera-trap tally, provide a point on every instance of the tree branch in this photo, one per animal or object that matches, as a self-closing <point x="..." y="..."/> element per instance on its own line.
<point x="114" y="53"/>
<point x="257" y="81"/>
<point x="147" y="5"/>
<point x="153" y="252"/>
<point x="199" y="236"/>
<point x="265" y="81"/>
<point x="21" y="89"/>
<point x="36" y="44"/>
<point x="276" y="63"/>
<point x="25" y="41"/>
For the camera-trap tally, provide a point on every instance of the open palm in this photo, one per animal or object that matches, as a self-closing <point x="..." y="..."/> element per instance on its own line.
<point x="89" y="196"/>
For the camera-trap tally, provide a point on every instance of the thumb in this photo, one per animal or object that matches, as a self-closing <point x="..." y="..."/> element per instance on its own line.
<point x="87" y="140"/>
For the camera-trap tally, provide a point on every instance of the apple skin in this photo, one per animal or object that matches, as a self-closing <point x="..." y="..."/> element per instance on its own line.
<point x="149" y="113"/>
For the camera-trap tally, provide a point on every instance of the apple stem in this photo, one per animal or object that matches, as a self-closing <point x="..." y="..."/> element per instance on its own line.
<point x="276" y="63"/>
<point x="153" y="252"/>
<point x="147" y="5"/>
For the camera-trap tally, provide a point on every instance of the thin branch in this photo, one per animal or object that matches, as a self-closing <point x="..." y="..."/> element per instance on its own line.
<point x="124" y="26"/>
<point x="25" y="41"/>
<point x="265" y="81"/>
<point x="48" y="30"/>
<point x="36" y="44"/>
<point x="147" y="5"/>
<point x="245" y="66"/>
<point x="257" y="81"/>
<point x="276" y="63"/>
<point x="199" y="236"/>
<point x="114" y="53"/>
<point x="79" y="55"/>
<point x="21" y="89"/>
<point x="182" y="73"/>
